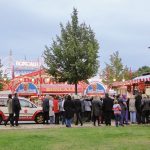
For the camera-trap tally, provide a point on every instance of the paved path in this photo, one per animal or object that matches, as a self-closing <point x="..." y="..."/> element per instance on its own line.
<point x="41" y="126"/>
<point x="28" y="125"/>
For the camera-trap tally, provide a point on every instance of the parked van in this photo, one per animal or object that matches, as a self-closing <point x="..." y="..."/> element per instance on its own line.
<point x="29" y="111"/>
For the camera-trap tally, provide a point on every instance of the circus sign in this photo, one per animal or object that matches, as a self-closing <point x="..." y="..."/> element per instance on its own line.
<point x="27" y="64"/>
<point x="95" y="88"/>
<point x="29" y="88"/>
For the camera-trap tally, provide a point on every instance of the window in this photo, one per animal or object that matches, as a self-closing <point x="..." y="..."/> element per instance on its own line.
<point x="3" y="102"/>
<point x="25" y="103"/>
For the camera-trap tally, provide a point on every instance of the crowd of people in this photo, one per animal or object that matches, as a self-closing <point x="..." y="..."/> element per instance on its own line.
<point x="74" y="109"/>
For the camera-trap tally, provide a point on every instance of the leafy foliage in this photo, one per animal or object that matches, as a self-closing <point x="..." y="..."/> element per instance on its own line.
<point x="141" y="71"/>
<point x="115" y="70"/>
<point x="73" y="56"/>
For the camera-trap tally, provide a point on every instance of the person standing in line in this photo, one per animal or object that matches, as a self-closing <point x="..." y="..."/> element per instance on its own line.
<point x="45" y="106"/>
<point x="56" y="109"/>
<point x="69" y="110"/>
<point x="107" y="108"/>
<point x="16" y="108"/>
<point x="61" y="110"/>
<point x="145" y="109"/>
<point x="126" y="103"/>
<point x="117" y="112"/>
<point x="88" y="106"/>
<point x="132" y="109"/>
<point x="78" y="109"/>
<point x="10" y="111"/>
<point x="82" y="107"/>
<point x="96" y="109"/>
<point x="51" y="110"/>
<point x="123" y="105"/>
<point x="102" y="119"/>
<point x="138" y="101"/>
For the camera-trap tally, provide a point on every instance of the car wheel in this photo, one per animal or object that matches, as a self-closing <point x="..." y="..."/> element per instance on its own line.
<point x="1" y="119"/>
<point x="39" y="118"/>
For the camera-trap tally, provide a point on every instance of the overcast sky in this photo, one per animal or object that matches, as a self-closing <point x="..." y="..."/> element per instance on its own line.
<point x="26" y="26"/>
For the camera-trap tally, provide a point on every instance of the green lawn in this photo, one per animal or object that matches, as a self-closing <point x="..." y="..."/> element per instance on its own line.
<point x="99" y="138"/>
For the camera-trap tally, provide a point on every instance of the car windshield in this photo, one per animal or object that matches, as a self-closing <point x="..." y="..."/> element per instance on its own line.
<point x="25" y="103"/>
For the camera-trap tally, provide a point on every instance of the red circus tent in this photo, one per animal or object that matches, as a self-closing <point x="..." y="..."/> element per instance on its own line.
<point x="39" y="82"/>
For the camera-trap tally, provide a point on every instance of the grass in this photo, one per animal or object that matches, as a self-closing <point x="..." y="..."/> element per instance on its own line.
<point x="102" y="138"/>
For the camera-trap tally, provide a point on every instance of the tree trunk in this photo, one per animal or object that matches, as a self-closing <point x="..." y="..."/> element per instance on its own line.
<point x="76" y="88"/>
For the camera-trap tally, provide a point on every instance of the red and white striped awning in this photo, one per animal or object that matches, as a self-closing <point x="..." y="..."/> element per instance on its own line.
<point x="133" y="81"/>
<point x="141" y="79"/>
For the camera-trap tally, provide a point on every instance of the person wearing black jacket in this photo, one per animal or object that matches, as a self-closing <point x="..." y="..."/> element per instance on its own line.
<point x="69" y="110"/>
<point x="96" y="109"/>
<point x="145" y="109"/>
<point x="138" y="101"/>
<point x="107" y="108"/>
<point x="16" y="108"/>
<point x="45" y="106"/>
<point x="78" y="109"/>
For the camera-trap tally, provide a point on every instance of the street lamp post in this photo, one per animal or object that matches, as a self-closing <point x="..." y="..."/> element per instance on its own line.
<point x="40" y="83"/>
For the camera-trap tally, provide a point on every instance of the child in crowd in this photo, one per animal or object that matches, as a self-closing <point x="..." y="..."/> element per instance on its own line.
<point x="117" y="112"/>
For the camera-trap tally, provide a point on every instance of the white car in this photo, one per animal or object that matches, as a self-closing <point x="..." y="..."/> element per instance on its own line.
<point x="29" y="111"/>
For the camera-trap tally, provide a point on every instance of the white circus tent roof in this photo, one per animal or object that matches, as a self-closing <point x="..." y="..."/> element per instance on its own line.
<point x="142" y="78"/>
<point x="136" y="80"/>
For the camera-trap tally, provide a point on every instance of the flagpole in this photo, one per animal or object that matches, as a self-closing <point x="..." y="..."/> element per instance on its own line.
<point x="13" y="76"/>
<point x="40" y="78"/>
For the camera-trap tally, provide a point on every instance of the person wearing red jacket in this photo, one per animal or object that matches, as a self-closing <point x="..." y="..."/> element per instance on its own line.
<point x="56" y="109"/>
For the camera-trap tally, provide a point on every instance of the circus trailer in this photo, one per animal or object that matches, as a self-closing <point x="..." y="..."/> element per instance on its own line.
<point x="39" y="83"/>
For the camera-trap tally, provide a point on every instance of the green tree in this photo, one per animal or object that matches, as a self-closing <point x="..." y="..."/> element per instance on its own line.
<point x="73" y="56"/>
<point x="1" y="86"/>
<point x="115" y="70"/>
<point x="141" y="71"/>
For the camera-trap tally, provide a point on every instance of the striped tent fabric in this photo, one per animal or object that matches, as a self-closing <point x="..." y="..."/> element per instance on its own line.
<point x="133" y="81"/>
<point x="141" y="79"/>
